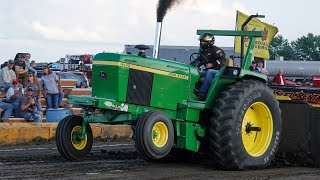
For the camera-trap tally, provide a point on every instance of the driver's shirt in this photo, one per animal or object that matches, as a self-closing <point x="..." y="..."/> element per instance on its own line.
<point x="214" y="55"/>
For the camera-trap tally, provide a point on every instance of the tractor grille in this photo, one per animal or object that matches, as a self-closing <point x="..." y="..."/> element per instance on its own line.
<point x="139" y="87"/>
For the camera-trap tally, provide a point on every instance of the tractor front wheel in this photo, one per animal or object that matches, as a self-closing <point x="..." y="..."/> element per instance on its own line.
<point x="244" y="131"/>
<point x="154" y="135"/>
<point x="68" y="140"/>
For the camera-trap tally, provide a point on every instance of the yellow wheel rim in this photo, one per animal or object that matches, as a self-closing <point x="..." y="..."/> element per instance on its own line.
<point x="160" y="134"/>
<point x="76" y="142"/>
<point x="257" y="129"/>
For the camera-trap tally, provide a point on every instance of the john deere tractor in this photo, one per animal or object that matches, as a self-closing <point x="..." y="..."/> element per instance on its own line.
<point x="239" y="123"/>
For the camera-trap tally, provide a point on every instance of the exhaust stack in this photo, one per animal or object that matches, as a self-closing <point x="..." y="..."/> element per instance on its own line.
<point x="157" y="40"/>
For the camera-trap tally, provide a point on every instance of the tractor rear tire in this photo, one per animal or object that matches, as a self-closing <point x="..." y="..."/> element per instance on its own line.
<point x="68" y="144"/>
<point x="154" y="135"/>
<point x="244" y="131"/>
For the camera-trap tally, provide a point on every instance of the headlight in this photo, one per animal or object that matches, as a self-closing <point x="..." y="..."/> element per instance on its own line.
<point x="235" y="72"/>
<point x="231" y="72"/>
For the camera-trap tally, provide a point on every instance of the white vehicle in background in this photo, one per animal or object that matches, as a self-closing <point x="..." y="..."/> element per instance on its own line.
<point x="82" y="80"/>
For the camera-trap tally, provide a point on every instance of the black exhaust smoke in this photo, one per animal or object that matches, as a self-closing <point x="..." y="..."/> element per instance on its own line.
<point x="163" y="6"/>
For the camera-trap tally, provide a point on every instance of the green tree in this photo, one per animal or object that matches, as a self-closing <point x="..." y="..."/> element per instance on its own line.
<point x="281" y="47"/>
<point x="307" y="47"/>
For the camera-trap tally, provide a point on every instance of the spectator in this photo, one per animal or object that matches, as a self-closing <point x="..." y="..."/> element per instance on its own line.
<point x="21" y="70"/>
<point x="33" y="64"/>
<point x="28" y="109"/>
<point x="16" y="58"/>
<point x="13" y="95"/>
<point x="261" y="69"/>
<point x="279" y="78"/>
<point x="7" y="108"/>
<point x="51" y="88"/>
<point x="28" y="64"/>
<point x="253" y="67"/>
<point x="7" y="75"/>
<point x="33" y="82"/>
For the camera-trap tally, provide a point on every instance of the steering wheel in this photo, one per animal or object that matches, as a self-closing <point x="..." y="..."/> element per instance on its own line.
<point x="195" y="60"/>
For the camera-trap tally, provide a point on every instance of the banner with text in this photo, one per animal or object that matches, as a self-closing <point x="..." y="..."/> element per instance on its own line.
<point x="261" y="46"/>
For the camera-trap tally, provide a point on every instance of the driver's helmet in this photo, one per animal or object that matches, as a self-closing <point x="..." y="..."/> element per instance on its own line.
<point x="206" y="39"/>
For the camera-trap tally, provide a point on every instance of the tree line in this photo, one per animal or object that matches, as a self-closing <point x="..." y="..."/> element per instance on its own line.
<point x="304" y="48"/>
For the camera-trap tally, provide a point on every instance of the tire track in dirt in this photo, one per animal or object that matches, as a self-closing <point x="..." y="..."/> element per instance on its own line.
<point x="41" y="163"/>
<point x="120" y="160"/>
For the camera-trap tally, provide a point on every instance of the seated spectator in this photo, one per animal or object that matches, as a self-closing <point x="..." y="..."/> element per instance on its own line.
<point x="253" y="67"/>
<point x="7" y="75"/>
<point x="28" y="109"/>
<point x="261" y="69"/>
<point x="33" y="82"/>
<point x="51" y="88"/>
<point x="28" y="63"/>
<point x="6" y="109"/>
<point x="21" y="70"/>
<point x="14" y="95"/>
<point x="279" y="78"/>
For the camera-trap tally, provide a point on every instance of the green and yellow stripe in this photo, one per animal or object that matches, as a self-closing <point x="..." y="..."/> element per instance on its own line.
<point x="141" y="68"/>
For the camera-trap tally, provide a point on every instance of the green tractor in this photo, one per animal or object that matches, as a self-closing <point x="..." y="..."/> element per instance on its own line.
<point x="238" y="124"/>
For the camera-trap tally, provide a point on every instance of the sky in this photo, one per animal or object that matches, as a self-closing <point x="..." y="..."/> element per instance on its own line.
<point x="51" y="29"/>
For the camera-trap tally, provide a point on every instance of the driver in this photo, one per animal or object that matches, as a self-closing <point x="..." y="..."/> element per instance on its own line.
<point x="214" y="57"/>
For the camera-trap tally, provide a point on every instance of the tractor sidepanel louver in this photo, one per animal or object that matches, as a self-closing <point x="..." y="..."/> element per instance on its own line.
<point x="139" y="87"/>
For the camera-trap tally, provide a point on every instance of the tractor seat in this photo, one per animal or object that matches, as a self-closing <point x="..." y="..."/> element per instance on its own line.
<point x="229" y="62"/>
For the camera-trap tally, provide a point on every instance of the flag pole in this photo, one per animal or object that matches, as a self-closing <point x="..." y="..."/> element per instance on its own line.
<point x="242" y="29"/>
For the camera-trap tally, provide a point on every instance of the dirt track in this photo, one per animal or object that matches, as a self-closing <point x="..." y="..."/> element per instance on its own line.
<point x="119" y="160"/>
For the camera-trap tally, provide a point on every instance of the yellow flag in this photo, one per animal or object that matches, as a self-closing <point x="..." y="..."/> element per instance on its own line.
<point x="261" y="46"/>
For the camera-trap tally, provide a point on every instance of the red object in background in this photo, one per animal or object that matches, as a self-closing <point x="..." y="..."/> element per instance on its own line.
<point x="86" y="58"/>
<point x="316" y="80"/>
<point x="277" y="79"/>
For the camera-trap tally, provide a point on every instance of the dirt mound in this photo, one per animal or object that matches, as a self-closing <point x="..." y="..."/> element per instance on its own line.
<point x="295" y="159"/>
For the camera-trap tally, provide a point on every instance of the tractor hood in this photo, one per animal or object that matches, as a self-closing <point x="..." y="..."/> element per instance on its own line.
<point x="142" y="81"/>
